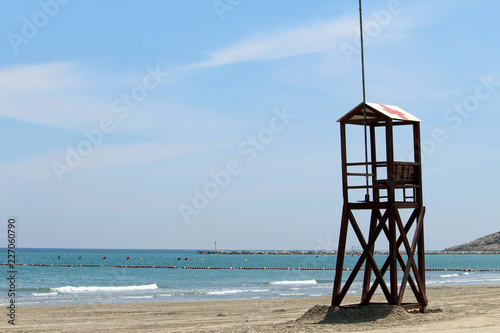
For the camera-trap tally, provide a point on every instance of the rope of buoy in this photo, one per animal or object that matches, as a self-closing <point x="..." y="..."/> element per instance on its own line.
<point x="246" y="268"/>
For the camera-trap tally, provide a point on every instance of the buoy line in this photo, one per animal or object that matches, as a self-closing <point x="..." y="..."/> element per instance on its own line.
<point x="246" y="268"/>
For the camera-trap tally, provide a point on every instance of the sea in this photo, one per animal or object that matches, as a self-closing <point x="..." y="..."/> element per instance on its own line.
<point x="138" y="281"/>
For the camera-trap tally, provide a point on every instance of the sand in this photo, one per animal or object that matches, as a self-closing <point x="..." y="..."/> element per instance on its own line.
<point x="451" y="309"/>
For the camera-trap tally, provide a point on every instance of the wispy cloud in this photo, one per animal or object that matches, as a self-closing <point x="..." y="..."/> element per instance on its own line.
<point x="313" y="38"/>
<point x="38" y="77"/>
<point x="53" y="94"/>
<point x="127" y="155"/>
<point x="107" y="158"/>
<point x="280" y="44"/>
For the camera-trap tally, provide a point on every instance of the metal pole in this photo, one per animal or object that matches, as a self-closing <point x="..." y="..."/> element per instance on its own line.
<point x="367" y="195"/>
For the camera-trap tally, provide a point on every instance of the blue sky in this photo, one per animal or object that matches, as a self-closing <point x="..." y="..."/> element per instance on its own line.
<point x="175" y="124"/>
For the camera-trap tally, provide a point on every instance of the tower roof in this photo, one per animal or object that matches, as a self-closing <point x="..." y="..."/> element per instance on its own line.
<point x="377" y="112"/>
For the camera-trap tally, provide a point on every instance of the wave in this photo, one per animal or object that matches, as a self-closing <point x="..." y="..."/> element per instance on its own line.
<point x="223" y="292"/>
<point x="294" y="282"/>
<point x="329" y="282"/>
<point x="448" y="275"/>
<point x="44" y="294"/>
<point x="465" y="281"/>
<point x="71" y="289"/>
<point x="235" y="291"/>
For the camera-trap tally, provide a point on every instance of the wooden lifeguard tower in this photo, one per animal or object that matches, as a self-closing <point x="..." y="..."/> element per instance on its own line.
<point x="393" y="189"/>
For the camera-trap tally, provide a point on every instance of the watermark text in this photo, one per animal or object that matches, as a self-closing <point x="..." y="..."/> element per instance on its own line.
<point x="11" y="260"/>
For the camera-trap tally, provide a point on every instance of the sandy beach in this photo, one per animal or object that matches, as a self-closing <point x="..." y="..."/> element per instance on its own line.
<point x="451" y="308"/>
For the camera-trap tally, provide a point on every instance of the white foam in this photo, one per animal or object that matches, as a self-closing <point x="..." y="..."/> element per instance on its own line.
<point x="71" y="289"/>
<point x="44" y="294"/>
<point x="235" y="291"/>
<point x="258" y="290"/>
<point x="294" y="282"/>
<point x="224" y="292"/>
<point x="148" y="296"/>
<point x="465" y="281"/>
<point x="448" y="275"/>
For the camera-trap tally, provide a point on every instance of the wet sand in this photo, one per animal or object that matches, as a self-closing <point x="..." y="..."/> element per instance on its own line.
<point x="451" y="308"/>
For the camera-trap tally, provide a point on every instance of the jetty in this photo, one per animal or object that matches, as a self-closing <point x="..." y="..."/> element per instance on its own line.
<point x="325" y="252"/>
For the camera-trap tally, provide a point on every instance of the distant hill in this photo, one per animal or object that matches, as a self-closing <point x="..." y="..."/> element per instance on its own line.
<point x="486" y="243"/>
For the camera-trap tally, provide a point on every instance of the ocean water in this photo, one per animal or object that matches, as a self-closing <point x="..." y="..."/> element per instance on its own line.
<point x="78" y="285"/>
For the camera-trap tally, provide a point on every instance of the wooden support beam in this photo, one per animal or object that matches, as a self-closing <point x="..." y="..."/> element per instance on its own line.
<point x="418" y="160"/>
<point x="336" y="299"/>
<point x="393" y="261"/>
<point x="368" y="268"/>
<point x="398" y="244"/>
<point x="369" y="257"/>
<point x="343" y="146"/>
<point x="421" y="259"/>
<point x="412" y="283"/>
<point x="410" y="263"/>
<point x="373" y="151"/>
<point x="338" y="295"/>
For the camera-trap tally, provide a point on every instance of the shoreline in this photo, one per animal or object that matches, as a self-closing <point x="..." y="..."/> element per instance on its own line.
<point x="462" y="308"/>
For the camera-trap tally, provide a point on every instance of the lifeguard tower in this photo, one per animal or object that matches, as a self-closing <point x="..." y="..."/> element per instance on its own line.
<point x="392" y="205"/>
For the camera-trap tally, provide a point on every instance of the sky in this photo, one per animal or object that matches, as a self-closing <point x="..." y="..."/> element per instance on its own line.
<point x="177" y="124"/>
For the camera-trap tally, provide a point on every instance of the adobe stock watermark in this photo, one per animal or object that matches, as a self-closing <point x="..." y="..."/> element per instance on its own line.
<point x="94" y="137"/>
<point x="31" y="26"/>
<point x="456" y="114"/>
<point x="371" y="29"/>
<point x="326" y="244"/>
<point x="12" y="270"/>
<point x="223" y="6"/>
<point x="248" y="149"/>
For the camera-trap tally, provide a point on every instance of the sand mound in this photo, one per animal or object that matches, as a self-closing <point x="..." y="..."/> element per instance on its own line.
<point x="322" y="314"/>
